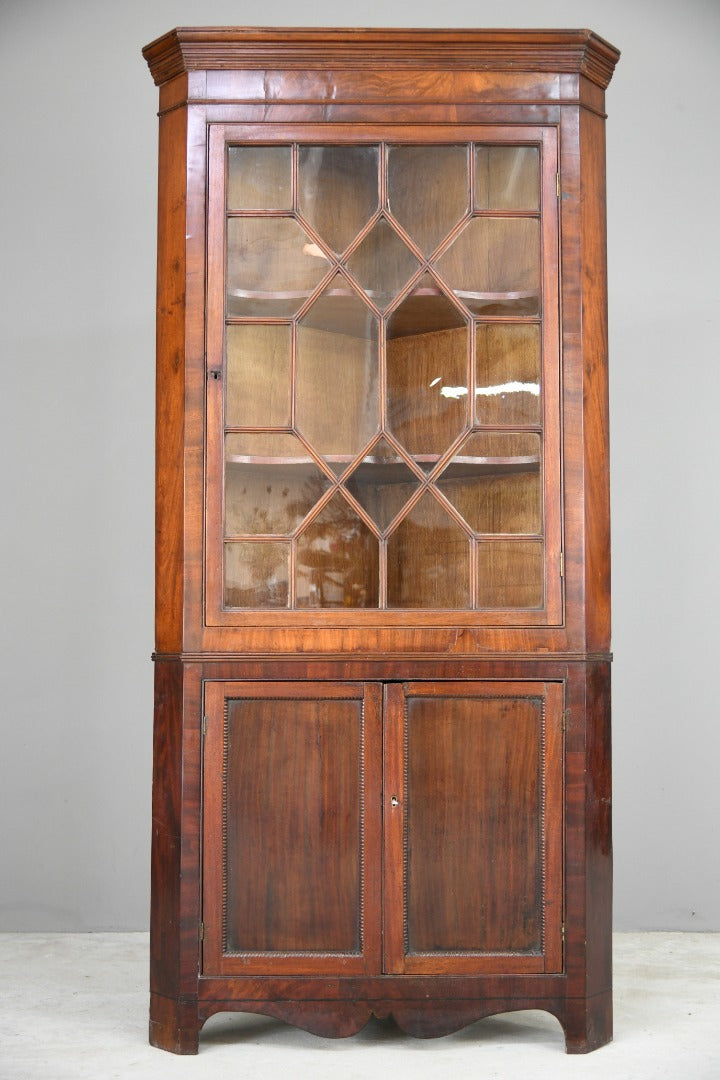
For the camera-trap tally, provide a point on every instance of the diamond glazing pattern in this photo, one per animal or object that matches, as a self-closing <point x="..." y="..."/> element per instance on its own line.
<point x="387" y="286"/>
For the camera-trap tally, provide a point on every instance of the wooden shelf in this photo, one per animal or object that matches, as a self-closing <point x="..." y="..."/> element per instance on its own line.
<point x="397" y="472"/>
<point x="478" y="466"/>
<point x="423" y="311"/>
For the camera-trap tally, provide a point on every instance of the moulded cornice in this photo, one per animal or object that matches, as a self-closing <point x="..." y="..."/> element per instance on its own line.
<point x="215" y="48"/>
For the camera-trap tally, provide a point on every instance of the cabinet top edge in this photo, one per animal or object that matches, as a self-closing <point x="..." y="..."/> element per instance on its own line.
<point x="187" y="49"/>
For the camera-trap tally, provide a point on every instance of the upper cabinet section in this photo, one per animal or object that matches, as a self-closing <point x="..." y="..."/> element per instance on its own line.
<point x="382" y="341"/>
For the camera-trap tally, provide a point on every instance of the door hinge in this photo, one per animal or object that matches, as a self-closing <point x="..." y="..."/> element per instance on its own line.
<point x="562" y="931"/>
<point x="201" y="931"/>
<point x="562" y="564"/>
<point x="557" y="184"/>
<point x="204" y="726"/>
<point x="565" y="720"/>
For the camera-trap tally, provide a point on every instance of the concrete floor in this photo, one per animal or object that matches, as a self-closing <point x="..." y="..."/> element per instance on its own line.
<point x="74" y="1007"/>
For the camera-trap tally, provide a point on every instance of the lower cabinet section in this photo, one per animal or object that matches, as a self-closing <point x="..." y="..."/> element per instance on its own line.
<point x="435" y="849"/>
<point x="368" y="828"/>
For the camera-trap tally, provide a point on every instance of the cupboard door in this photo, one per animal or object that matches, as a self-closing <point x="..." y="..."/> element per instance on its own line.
<point x="473" y="810"/>
<point x="291" y="844"/>
<point x="418" y="281"/>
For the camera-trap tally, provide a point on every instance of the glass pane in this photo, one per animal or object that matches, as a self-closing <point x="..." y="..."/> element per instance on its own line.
<point x="427" y="378"/>
<point x="494" y="481"/>
<point x="338" y="190"/>
<point x="494" y="266"/>
<point x="256" y="575"/>
<point x="507" y="365"/>
<point x="428" y="560"/>
<point x="427" y="190"/>
<point x="425" y="308"/>
<point x="337" y="372"/>
<point x="259" y="178"/>
<point x="382" y="483"/>
<point x="382" y="264"/>
<point x="337" y="560"/>
<point x="271" y="483"/>
<point x="272" y="266"/>
<point x="507" y="178"/>
<point x="293" y="826"/>
<point x="257" y="390"/>
<point x="510" y="575"/>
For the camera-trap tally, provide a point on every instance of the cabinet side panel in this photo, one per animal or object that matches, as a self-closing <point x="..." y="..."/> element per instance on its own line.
<point x="572" y="377"/>
<point x="598" y="831"/>
<point x="170" y="382"/>
<point x="595" y="389"/>
<point x="166" y="831"/>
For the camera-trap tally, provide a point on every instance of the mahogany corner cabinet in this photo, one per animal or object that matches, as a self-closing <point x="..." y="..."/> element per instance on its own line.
<point x="382" y="750"/>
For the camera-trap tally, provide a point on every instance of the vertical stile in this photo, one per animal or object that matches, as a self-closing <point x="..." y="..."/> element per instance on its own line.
<point x="471" y="382"/>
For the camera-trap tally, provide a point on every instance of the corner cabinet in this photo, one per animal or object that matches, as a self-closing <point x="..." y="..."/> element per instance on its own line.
<point x="382" y="759"/>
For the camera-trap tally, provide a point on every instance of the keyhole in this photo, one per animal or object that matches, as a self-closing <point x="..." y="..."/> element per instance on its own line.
<point x="394" y="801"/>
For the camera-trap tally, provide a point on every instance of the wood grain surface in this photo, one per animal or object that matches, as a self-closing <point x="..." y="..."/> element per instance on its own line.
<point x="396" y="804"/>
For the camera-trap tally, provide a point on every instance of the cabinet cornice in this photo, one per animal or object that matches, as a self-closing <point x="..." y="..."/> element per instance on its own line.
<point x="566" y="51"/>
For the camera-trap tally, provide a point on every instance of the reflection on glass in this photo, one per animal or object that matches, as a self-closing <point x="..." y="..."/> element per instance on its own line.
<point x="337" y="560"/>
<point x="338" y="190"/>
<point x="337" y="372"/>
<point x="256" y="574"/>
<point x="507" y="363"/>
<point x="382" y="264"/>
<point x="428" y="560"/>
<point x="427" y="190"/>
<point x="507" y="178"/>
<point x="272" y="266"/>
<point x="420" y="368"/>
<point x="382" y="483"/>
<point x="494" y="266"/>
<point x="271" y="483"/>
<point x="510" y="575"/>
<point x="257" y="386"/>
<point x="494" y="481"/>
<point x="259" y="178"/>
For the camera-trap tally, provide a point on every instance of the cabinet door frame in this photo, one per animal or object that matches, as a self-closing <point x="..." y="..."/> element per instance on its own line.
<point x="397" y="957"/>
<point x="552" y="613"/>
<point x="216" y="961"/>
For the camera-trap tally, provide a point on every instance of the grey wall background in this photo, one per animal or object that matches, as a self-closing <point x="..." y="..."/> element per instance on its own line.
<point x="77" y="236"/>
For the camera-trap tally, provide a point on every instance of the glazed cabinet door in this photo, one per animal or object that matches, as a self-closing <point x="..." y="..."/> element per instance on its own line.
<point x="383" y="378"/>
<point x="474" y="823"/>
<point x="291" y="843"/>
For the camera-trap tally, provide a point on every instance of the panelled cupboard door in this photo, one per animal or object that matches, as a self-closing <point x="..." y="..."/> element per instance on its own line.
<point x="291" y="839"/>
<point x="473" y="828"/>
